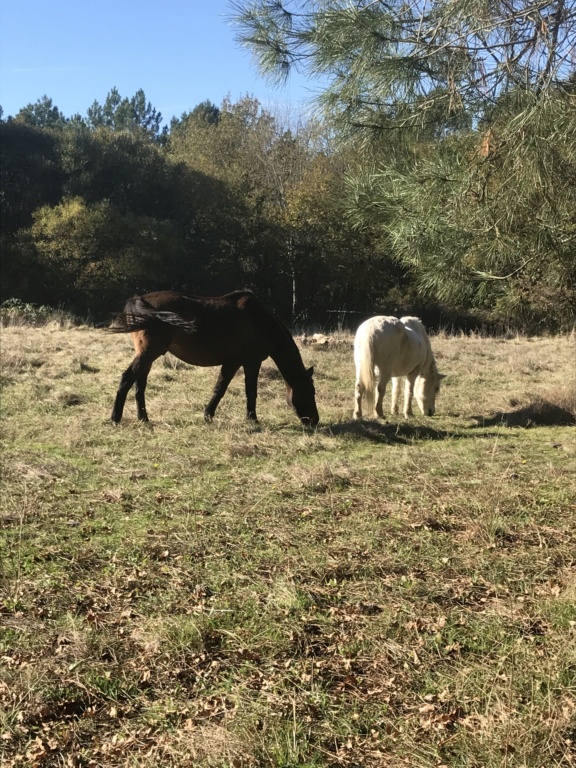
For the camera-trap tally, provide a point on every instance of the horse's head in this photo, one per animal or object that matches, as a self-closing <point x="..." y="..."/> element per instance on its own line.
<point x="426" y="389"/>
<point x="302" y="398"/>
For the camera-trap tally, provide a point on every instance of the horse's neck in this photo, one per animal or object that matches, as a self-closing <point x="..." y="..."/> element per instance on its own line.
<point x="429" y="361"/>
<point x="287" y="356"/>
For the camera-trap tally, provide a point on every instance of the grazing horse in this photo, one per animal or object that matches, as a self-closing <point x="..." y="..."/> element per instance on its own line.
<point x="397" y="348"/>
<point x="232" y="331"/>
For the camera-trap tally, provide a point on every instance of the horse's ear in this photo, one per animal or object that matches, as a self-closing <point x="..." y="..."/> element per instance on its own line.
<point x="310" y="371"/>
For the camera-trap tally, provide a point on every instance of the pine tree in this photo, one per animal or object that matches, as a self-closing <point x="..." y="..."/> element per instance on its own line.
<point x="124" y="114"/>
<point x="466" y="114"/>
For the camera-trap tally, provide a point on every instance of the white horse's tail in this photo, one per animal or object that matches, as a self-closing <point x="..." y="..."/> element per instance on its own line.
<point x="364" y="359"/>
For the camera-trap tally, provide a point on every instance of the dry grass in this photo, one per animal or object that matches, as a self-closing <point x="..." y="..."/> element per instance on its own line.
<point x="368" y="594"/>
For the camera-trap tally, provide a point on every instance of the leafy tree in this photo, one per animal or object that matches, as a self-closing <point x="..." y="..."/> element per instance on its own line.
<point x="124" y="114"/>
<point x="30" y="173"/>
<point x="486" y="220"/>
<point x="134" y="179"/>
<point x="281" y="224"/>
<point x="92" y="255"/>
<point x="206" y="111"/>
<point x="232" y="152"/>
<point x="123" y="167"/>
<point x="42" y="114"/>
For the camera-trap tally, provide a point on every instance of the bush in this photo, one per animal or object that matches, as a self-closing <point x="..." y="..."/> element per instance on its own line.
<point x="18" y="312"/>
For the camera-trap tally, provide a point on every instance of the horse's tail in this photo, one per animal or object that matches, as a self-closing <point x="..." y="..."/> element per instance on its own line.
<point x="364" y="360"/>
<point x="139" y="315"/>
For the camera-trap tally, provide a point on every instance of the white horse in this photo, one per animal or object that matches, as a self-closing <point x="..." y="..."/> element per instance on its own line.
<point x="396" y="348"/>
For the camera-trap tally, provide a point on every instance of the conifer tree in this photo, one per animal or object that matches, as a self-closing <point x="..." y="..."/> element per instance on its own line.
<point x="466" y="113"/>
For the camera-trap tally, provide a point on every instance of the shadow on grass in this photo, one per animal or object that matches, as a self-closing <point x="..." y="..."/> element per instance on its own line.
<point x="402" y="432"/>
<point x="538" y="413"/>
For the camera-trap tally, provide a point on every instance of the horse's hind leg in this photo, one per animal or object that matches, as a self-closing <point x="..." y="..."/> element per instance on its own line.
<point x="358" y="394"/>
<point x="382" y="382"/>
<point x="126" y="382"/>
<point x="227" y="373"/>
<point x="147" y="350"/>
<point x="141" y="381"/>
<point x="251" y="371"/>
<point x="408" y="394"/>
<point x="136" y="373"/>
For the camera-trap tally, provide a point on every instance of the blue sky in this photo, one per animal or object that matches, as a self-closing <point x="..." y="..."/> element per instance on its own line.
<point x="180" y="52"/>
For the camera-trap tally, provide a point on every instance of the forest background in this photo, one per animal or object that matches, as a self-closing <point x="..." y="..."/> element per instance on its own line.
<point x="437" y="176"/>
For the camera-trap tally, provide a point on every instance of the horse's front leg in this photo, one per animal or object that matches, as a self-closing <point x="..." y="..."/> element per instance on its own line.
<point x="395" y="394"/>
<point x="251" y="371"/>
<point x="227" y="373"/>
<point x="408" y="395"/>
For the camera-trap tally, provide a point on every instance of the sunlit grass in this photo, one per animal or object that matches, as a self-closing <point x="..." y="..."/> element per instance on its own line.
<point x="367" y="594"/>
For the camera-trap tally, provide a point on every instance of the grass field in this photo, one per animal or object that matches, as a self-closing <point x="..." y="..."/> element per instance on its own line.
<point x="230" y="595"/>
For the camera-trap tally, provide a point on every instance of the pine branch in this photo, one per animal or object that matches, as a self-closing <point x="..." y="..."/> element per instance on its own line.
<point x="490" y="276"/>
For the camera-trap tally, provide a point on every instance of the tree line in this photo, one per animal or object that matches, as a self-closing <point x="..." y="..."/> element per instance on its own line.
<point x="433" y="179"/>
<point x="95" y="209"/>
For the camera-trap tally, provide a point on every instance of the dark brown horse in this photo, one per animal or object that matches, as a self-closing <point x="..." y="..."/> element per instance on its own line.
<point x="233" y="331"/>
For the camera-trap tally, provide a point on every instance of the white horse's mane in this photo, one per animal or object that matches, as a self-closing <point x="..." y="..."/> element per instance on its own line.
<point x="415" y="322"/>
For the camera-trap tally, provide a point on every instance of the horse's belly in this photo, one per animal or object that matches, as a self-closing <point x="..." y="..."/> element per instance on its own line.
<point x="196" y="355"/>
<point x="205" y="354"/>
<point x="397" y="358"/>
<point x="392" y="361"/>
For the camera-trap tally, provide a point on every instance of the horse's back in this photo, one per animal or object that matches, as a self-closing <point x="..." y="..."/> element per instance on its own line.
<point x="379" y="328"/>
<point x="185" y="306"/>
<point x="234" y="327"/>
<point x="397" y="345"/>
<point x="381" y="331"/>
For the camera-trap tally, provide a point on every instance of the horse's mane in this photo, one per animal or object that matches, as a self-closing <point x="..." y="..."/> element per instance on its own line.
<point x="269" y="313"/>
<point x="289" y="353"/>
<point x="415" y="322"/>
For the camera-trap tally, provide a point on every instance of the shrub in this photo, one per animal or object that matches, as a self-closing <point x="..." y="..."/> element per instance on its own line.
<point x="18" y="312"/>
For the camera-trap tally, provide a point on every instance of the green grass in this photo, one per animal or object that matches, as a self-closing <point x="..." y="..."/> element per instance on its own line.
<point x="399" y="593"/>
